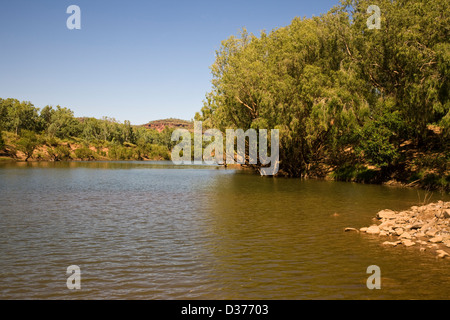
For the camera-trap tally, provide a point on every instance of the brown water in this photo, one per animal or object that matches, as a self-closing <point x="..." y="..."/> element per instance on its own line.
<point x="158" y="231"/>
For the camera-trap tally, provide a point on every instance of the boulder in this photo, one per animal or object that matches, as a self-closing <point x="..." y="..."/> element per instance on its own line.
<point x="394" y="244"/>
<point x="437" y="239"/>
<point x="431" y="233"/>
<point x="350" y="229"/>
<point x="386" y="225"/>
<point x="420" y="234"/>
<point x="417" y="225"/>
<point x="442" y="214"/>
<point x="373" y="230"/>
<point x="386" y="214"/>
<point x="363" y="229"/>
<point x="405" y="235"/>
<point x="408" y="243"/>
<point x="442" y="254"/>
<point x="422" y="208"/>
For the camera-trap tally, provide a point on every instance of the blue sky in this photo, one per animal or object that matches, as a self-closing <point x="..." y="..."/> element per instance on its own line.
<point x="131" y="60"/>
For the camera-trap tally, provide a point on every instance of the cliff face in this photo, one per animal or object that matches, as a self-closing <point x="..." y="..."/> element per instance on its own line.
<point x="159" y="125"/>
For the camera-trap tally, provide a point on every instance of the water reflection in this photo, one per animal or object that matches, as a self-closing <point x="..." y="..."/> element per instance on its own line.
<point x="155" y="231"/>
<point x="281" y="239"/>
<point x="109" y="165"/>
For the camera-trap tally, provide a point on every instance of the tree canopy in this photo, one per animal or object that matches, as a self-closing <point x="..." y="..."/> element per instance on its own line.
<point x="339" y="92"/>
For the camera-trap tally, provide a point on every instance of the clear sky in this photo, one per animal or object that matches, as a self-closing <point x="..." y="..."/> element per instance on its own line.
<point x="132" y="60"/>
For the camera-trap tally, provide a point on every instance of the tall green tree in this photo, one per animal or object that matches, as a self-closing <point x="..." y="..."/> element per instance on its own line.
<point x="27" y="143"/>
<point x="16" y="115"/>
<point x="63" y="124"/>
<point x="338" y="91"/>
<point x="407" y="60"/>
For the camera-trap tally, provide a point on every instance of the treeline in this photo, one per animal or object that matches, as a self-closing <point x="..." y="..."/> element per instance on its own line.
<point x="350" y="101"/>
<point x="25" y="128"/>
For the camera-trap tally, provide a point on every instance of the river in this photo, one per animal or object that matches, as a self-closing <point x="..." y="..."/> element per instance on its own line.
<point x="153" y="230"/>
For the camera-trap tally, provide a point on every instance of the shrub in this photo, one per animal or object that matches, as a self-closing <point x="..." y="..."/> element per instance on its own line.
<point x="27" y="143"/>
<point x="84" y="154"/>
<point x="59" y="153"/>
<point x="2" y="141"/>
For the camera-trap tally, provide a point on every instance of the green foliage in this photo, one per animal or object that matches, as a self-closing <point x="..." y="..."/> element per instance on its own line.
<point x="358" y="173"/>
<point x="59" y="126"/>
<point x="59" y="153"/>
<point x="27" y="143"/>
<point x="16" y="115"/>
<point x="50" y="141"/>
<point x="85" y="154"/>
<point x="63" y="124"/>
<point x="330" y="85"/>
<point x="118" y="152"/>
<point x="2" y="141"/>
<point x="378" y="139"/>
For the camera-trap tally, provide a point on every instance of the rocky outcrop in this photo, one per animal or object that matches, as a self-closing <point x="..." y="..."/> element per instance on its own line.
<point x="427" y="227"/>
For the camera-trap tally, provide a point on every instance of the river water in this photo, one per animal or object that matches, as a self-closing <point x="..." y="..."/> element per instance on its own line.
<point x="152" y="230"/>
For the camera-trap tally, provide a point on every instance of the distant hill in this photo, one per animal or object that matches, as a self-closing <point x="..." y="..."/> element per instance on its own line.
<point x="159" y="125"/>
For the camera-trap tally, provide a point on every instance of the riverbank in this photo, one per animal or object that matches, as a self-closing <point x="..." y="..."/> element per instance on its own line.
<point x="426" y="227"/>
<point x="36" y="147"/>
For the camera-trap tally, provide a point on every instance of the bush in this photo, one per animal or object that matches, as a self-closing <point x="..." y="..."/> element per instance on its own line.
<point x="59" y="153"/>
<point x="2" y="141"/>
<point x="158" y="152"/>
<point x="85" y="154"/>
<point x="27" y="143"/>
<point x="51" y="141"/>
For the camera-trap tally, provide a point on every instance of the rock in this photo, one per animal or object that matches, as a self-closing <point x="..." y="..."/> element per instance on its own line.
<point x="442" y="254"/>
<point x="408" y="243"/>
<point x="420" y="234"/>
<point x="428" y="222"/>
<point x="442" y="214"/>
<point x="417" y="225"/>
<point x="386" y="225"/>
<point x="350" y="229"/>
<point x="394" y="244"/>
<point x="405" y="235"/>
<point x="437" y="239"/>
<point x="422" y="208"/>
<point x="407" y="227"/>
<point x="431" y="233"/>
<point x="373" y="230"/>
<point x="386" y="214"/>
<point x="427" y="214"/>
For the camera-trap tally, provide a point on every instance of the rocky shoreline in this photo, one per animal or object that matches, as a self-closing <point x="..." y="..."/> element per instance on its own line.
<point x="427" y="227"/>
